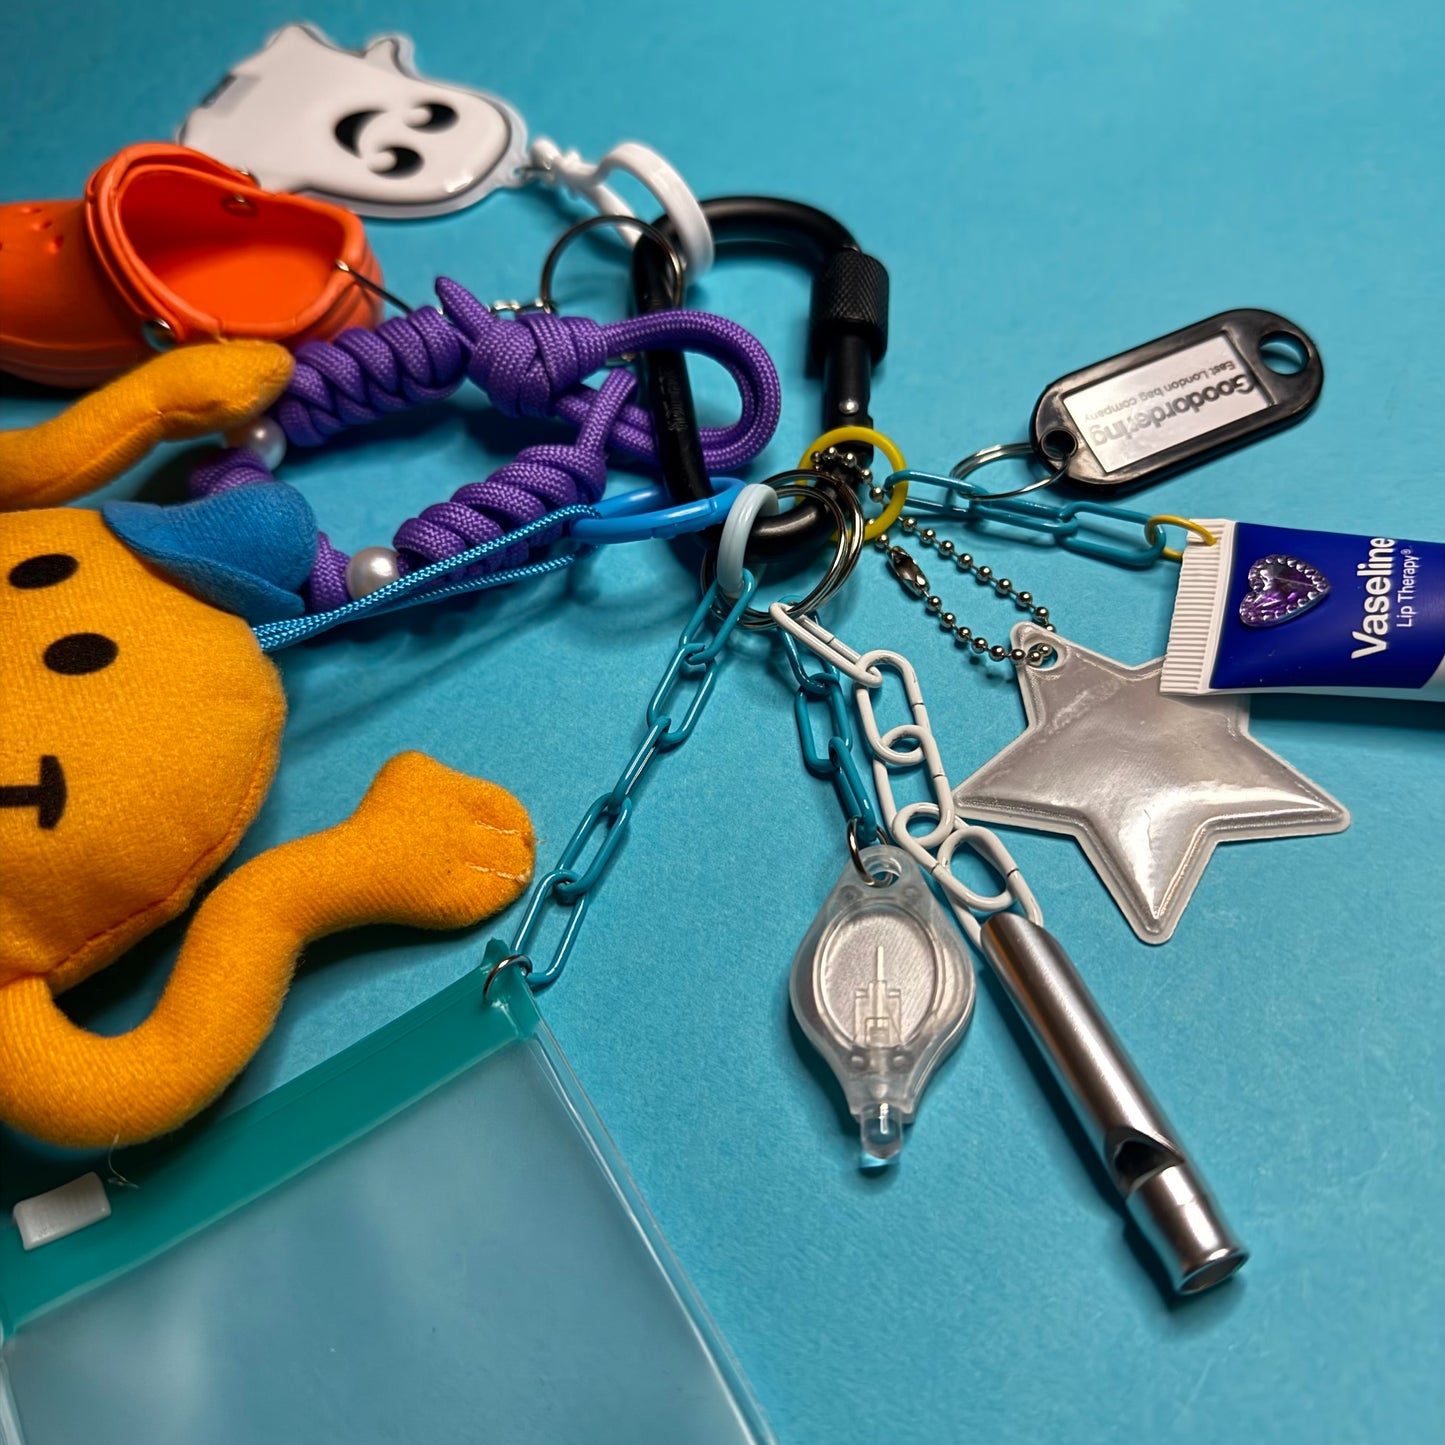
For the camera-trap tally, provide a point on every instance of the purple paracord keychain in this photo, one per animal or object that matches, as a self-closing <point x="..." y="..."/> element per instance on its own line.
<point x="533" y="365"/>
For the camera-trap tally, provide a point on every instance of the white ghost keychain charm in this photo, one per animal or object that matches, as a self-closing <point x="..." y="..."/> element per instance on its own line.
<point x="366" y="130"/>
<point x="883" y="987"/>
<point x="359" y="128"/>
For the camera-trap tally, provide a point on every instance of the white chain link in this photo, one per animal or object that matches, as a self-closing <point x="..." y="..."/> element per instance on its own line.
<point x="912" y="744"/>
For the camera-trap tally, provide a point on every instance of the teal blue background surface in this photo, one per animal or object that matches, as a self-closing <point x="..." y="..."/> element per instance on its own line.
<point x="1048" y="184"/>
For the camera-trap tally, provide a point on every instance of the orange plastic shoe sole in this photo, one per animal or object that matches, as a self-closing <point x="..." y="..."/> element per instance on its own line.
<point x="171" y="245"/>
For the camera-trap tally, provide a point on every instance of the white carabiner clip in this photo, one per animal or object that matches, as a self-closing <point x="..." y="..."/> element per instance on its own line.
<point x="548" y="162"/>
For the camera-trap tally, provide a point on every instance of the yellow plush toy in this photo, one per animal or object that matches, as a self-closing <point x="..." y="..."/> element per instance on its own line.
<point x="139" y="730"/>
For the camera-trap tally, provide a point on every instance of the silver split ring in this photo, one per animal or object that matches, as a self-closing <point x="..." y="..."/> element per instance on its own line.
<point x="512" y="960"/>
<point x="548" y="303"/>
<point x="873" y="880"/>
<point x="1007" y="451"/>
<point x="847" y="512"/>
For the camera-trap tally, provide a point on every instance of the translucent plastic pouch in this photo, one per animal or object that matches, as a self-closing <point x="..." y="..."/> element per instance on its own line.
<point x="429" y="1238"/>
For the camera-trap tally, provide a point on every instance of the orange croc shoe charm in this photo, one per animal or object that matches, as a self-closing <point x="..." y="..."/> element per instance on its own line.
<point x="168" y="247"/>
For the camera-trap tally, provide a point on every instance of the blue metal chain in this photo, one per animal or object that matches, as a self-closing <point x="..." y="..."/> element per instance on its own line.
<point x="832" y="758"/>
<point x="1069" y="523"/>
<point x="672" y="715"/>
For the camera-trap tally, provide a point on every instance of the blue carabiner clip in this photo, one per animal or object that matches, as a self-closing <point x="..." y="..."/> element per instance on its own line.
<point x="635" y="516"/>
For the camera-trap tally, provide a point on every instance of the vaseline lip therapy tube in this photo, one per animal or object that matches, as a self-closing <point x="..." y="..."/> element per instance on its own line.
<point x="1279" y="609"/>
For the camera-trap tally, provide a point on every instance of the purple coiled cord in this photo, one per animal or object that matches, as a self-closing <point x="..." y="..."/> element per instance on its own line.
<point x="531" y="366"/>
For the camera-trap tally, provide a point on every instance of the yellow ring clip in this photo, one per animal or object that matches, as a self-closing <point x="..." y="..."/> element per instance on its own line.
<point x="889" y="515"/>
<point x="1151" y="531"/>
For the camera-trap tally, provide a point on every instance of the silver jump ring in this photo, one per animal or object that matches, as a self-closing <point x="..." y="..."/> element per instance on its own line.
<point x="367" y="284"/>
<point x="873" y="880"/>
<point x="548" y="303"/>
<point x="158" y="333"/>
<point x="512" y="960"/>
<point x="851" y="522"/>
<point x="515" y="307"/>
<point x="1007" y="451"/>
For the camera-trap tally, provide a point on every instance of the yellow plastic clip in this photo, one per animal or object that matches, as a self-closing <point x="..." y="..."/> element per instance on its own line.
<point x="889" y="515"/>
<point x="1151" y="531"/>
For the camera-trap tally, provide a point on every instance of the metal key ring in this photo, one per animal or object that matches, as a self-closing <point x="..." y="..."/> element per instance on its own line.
<point x="1007" y="451"/>
<point x="512" y="960"/>
<point x="847" y="513"/>
<point x="873" y="880"/>
<point x="548" y="303"/>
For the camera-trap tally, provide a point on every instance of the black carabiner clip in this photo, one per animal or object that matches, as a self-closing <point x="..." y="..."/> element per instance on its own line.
<point x="847" y="336"/>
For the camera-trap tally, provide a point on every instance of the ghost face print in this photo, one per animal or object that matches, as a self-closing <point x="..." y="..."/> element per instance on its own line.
<point x="360" y="128"/>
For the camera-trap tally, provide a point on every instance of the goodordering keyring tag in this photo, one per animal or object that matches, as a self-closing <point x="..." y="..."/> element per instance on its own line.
<point x="1174" y="401"/>
<point x="366" y="130"/>
<point x="1165" y="405"/>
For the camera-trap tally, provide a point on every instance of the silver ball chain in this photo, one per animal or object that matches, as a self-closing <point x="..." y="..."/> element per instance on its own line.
<point x="913" y="580"/>
<point x="911" y="575"/>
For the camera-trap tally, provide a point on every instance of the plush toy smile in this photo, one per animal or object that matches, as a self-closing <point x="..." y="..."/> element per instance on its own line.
<point x="140" y="727"/>
<point x="47" y="796"/>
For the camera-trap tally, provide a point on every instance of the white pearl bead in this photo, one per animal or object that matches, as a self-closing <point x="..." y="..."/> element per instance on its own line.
<point x="264" y="436"/>
<point x="370" y="569"/>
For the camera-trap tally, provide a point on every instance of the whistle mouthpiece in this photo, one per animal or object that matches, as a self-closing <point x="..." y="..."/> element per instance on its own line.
<point x="1182" y="1223"/>
<point x="1160" y="1188"/>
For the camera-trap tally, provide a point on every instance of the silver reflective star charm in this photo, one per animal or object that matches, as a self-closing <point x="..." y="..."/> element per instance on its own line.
<point x="1147" y="783"/>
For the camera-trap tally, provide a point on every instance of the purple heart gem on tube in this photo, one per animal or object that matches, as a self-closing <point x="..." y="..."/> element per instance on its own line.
<point x="1280" y="589"/>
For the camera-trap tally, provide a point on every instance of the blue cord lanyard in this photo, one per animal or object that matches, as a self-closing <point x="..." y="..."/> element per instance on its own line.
<point x="632" y="516"/>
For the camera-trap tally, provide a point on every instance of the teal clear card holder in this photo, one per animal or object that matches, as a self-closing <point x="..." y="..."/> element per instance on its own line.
<point x="428" y="1238"/>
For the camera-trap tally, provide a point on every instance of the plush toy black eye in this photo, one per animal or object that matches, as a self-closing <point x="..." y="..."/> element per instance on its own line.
<point x="438" y="117"/>
<point x="80" y="653"/>
<point x="43" y="571"/>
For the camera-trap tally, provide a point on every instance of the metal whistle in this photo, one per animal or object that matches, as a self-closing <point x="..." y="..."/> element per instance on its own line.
<point x="1161" y="1188"/>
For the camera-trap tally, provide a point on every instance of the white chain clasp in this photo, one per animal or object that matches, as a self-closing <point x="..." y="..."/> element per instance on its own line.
<point x="548" y="162"/>
<point x="912" y="744"/>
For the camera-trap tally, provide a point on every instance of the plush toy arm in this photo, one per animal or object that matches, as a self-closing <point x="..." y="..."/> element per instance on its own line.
<point x="186" y="393"/>
<point x="427" y="847"/>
